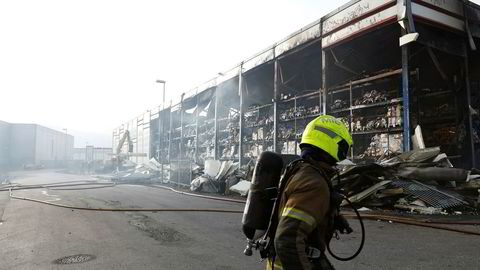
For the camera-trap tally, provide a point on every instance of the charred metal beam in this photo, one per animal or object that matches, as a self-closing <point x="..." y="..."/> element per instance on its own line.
<point x="240" y="135"/>
<point x="215" y="139"/>
<point x="197" y="113"/>
<point x="411" y="24"/>
<point x="280" y="69"/>
<point x="467" y="27"/>
<point x="436" y="63"/>
<point x="276" y="83"/>
<point x="406" y="98"/>
<point x="161" y="137"/>
<point x="290" y="79"/>
<point x="469" y="102"/>
<point x="170" y="136"/>
<point x="180" y="155"/>
<point x="324" y="83"/>
<point x="341" y="65"/>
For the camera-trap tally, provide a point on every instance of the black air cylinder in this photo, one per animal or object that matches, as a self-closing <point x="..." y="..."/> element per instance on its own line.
<point x="262" y="194"/>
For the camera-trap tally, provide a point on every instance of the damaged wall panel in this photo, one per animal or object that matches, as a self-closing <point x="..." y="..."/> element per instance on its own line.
<point x="429" y="14"/>
<point x="258" y="60"/>
<point x="385" y="16"/>
<point x="352" y="13"/>
<point x="311" y="32"/>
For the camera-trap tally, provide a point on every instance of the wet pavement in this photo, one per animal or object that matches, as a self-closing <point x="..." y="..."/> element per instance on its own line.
<point x="37" y="236"/>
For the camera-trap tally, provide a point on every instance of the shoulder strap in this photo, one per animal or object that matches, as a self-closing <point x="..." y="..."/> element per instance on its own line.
<point x="327" y="178"/>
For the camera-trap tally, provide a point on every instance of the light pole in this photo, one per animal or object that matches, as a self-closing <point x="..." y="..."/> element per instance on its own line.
<point x="161" y="137"/>
<point x="163" y="92"/>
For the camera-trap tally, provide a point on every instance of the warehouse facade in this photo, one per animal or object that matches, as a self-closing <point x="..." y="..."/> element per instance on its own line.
<point x="348" y="64"/>
<point x="31" y="144"/>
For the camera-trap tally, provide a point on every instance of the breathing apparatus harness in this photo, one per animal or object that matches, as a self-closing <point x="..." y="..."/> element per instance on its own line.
<point x="340" y="224"/>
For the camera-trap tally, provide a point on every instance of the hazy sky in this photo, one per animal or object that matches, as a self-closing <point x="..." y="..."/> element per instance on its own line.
<point x="89" y="66"/>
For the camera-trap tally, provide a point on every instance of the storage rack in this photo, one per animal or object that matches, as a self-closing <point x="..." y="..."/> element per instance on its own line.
<point x="227" y="115"/>
<point x="205" y="148"/>
<point x="180" y="167"/>
<point x="440" y="120"/>
<point x="163" y="156"/>
<point x="189" y="132"/>
<point x="295" y="113"/>
<point x="372" y="110"/>
<point x="228" y="135"/>
<point x="258" y="131"/>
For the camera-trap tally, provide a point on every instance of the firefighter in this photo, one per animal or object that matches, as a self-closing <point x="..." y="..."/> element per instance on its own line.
<point x="305" y="216"/>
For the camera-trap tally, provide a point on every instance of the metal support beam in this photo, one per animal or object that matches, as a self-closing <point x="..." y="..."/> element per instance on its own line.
<point x="437" y="63"/>
<point x="341" y="65"/>
<point x="469" y="102"/>
<point x="471" y="42"/>
<point x="406" y="98"/>
<point x="180" y="154"/>
<point x="159" y="130"/>
<point x="411" y="24"/>
<point x="240" y="135"/>
<point x="161" y="139"/>
<point x="276" y="84"/>
<point x="324" y="83"/>
<point x="215" y="138"/>
<point x="170" y="136"/>
<point x="197" y="113"/>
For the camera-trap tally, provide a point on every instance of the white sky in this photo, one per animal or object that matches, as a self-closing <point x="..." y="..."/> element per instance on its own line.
<point x="91" y="65"/>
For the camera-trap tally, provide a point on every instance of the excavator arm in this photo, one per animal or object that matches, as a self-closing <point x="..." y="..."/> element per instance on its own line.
<point x="125" y="137"/>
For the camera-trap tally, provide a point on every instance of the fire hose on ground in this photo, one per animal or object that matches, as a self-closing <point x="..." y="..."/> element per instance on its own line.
<point x="401" y="220"/>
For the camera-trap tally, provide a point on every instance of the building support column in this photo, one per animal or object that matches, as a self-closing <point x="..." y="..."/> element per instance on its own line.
<point x="195" y="158"/>
<point x="276" y="83"/>
<point x="240" y="133"/>
<point x="170" y="136"/>
<point x="406" y="98"/>
<point x="215" y="136"/>
<point x="469" y="105"/>
<point x="161" y="138"/>
<point x="324" y="83"/>
<point x="181" y="155"/>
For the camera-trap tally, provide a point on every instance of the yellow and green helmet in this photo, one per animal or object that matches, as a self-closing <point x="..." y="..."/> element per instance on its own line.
<point x="329" y="134"/>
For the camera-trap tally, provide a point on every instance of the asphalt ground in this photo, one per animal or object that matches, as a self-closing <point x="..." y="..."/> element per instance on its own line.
<point x="35" y="236"/>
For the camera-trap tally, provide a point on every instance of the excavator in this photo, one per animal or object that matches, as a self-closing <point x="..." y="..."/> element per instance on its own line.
<point x="119" y="157"/>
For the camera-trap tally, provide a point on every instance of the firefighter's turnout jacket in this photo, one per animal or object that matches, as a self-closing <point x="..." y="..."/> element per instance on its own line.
<point x="304" y="218"/>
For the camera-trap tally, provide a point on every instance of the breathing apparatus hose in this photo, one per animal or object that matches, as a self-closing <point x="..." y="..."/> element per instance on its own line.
<point x="78" y="185"/>
<point x="362" y="242"/>
<point x="402" y="220"/>
<point x="128" y="209"/>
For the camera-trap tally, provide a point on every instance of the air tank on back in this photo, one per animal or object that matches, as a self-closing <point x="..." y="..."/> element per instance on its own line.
<point x="262" y="194"/>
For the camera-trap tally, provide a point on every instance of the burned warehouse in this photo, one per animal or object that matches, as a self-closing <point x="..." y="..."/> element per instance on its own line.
<point x="401" y="75"/>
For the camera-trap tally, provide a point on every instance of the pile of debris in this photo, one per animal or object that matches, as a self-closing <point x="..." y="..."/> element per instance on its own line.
<point x="223" y="177"/>
<point x="422" y="181"/>
<point x="132" y="172"/>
